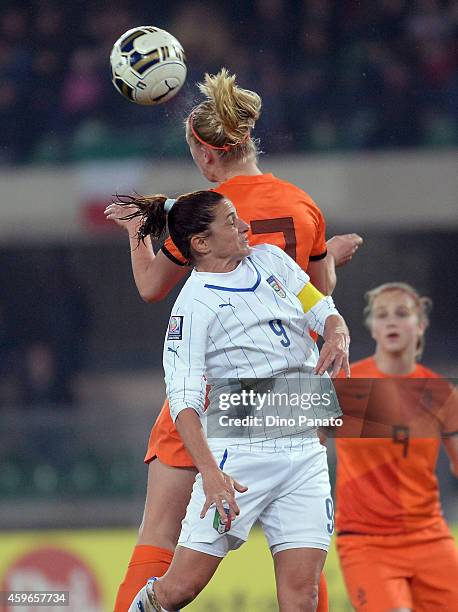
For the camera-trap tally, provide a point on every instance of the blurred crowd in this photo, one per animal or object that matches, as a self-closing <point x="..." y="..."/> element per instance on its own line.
<point x="333" y="74"/>
<point x="44" y="322"/>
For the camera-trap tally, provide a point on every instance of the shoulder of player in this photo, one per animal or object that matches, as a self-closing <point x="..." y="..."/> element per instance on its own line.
<point x="299" y="204"/>
<point x="299" y="193"/>
<point x="363" y="368"/>
<point x="272" y="259"/>
<point x="422" y="371"/>
<point x="233" y="185"/>
<point x="269" y="252"/>
<point x="199" y="299"/>
<point x="194" y="309"/>
<point x="265" y="248"/>
<point x="367" y="368"/>
<point x="190" y="295"/>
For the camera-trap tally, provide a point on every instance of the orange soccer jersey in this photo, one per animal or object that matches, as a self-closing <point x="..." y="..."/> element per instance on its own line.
<point x="278" y="213"/>
<point x="388" y="486"/>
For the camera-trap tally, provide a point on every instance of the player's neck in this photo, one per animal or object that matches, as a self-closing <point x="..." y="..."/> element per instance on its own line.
<point x="247" y="168"/>
<point x="217" y="266"/>
<point x="395" y="364"/>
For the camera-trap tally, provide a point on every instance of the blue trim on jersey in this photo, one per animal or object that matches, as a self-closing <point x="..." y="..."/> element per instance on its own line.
<point x="243" y="289"/>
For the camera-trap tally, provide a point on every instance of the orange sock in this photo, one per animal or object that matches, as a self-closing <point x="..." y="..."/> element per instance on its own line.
<point x="323" y="603"/>
<point x="146" y="561"/>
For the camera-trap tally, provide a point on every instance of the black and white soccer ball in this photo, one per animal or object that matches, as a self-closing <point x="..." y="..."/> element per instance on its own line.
<point x="148" y="65"/>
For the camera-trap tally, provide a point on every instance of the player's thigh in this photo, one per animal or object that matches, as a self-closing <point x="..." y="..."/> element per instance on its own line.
<point x="301" y="516"/>
<point x="167" y="496"/>
<point x="435" y="583"/>
<point x="261" y="473"/>
<point x="297" y="575"/>
<point x="377" y="579"/>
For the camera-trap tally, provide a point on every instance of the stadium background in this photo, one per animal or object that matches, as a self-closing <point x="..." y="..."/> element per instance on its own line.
<point x="360" y="109"/>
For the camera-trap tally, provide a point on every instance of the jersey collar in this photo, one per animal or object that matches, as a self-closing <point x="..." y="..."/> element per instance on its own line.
<point x="231" y="276"/>
<point x="247" y="179"/>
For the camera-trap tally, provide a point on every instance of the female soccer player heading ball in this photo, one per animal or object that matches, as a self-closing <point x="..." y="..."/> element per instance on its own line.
<point x="244" y="314"/>
<point x="219" y="135"/>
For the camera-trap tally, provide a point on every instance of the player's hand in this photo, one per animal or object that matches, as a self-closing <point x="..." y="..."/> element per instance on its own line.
<point x="335" y="350"/>
<point x="219" y="488"/>
<point x="343" y="247"/>
<point x="115" y="212"/>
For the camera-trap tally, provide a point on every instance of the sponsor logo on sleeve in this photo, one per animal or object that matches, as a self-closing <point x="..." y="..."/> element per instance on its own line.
<point x="175" y="331"/>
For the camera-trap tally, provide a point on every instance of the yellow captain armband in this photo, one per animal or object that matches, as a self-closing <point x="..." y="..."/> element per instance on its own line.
<point x="309" y="296"/>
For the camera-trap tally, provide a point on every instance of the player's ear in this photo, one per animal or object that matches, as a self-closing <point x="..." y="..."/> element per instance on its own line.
<point x="209" y="156"/>
<point x="421" y="329"/>
<point x="199" y="244"/>
<point x="370" y="327"/>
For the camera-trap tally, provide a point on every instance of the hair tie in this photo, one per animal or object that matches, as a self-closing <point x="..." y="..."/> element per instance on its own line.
<point x="168" y="204"/>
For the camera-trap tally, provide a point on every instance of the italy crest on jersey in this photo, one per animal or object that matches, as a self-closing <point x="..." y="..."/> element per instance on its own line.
<point x="175" y="331"/>
<point x="276" y="286"/>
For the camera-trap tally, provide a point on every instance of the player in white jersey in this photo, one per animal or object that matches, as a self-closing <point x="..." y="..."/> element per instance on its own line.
<point x="241" y="324"/>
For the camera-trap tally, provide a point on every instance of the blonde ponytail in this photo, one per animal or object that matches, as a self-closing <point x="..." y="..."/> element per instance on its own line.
<point x="224" y="120"/>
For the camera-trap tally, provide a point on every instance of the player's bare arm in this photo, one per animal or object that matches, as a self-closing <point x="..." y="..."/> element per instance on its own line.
<point x="334" y="352"/>
<point x="218" y="486"/>
<point x="340" y="251"/>
<point x="323" y="275"/>
<point x="342" y="248"/>
<point x="154" y="275"/>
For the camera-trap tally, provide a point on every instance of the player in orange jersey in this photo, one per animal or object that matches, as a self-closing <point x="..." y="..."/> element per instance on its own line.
<point x="395" y="549"/>
<point x="218" y="132"/>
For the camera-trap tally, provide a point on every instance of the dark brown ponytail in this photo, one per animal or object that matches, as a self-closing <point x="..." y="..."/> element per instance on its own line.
<point x="191" y="214"/>
<point x="151" y="211"/>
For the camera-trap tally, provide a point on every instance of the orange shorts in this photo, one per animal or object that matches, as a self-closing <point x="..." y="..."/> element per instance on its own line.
<point x="418" y="571"/>
<point x="165" y="442"/>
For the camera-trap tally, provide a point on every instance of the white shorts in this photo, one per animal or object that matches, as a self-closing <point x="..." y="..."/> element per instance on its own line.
<point x="288" y="492"/>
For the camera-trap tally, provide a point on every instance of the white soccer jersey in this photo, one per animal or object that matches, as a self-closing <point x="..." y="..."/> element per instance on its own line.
<point x="244" y="324"/>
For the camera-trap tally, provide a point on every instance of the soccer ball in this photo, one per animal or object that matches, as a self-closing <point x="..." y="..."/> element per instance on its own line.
<point x="148" y="65"/>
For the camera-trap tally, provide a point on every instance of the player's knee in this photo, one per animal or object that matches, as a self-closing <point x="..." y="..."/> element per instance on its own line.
<point x="312" y="595"/>
<point x="178" y="594"/>
<point x="160" y="534"/>
<point x="302" y="597"/>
